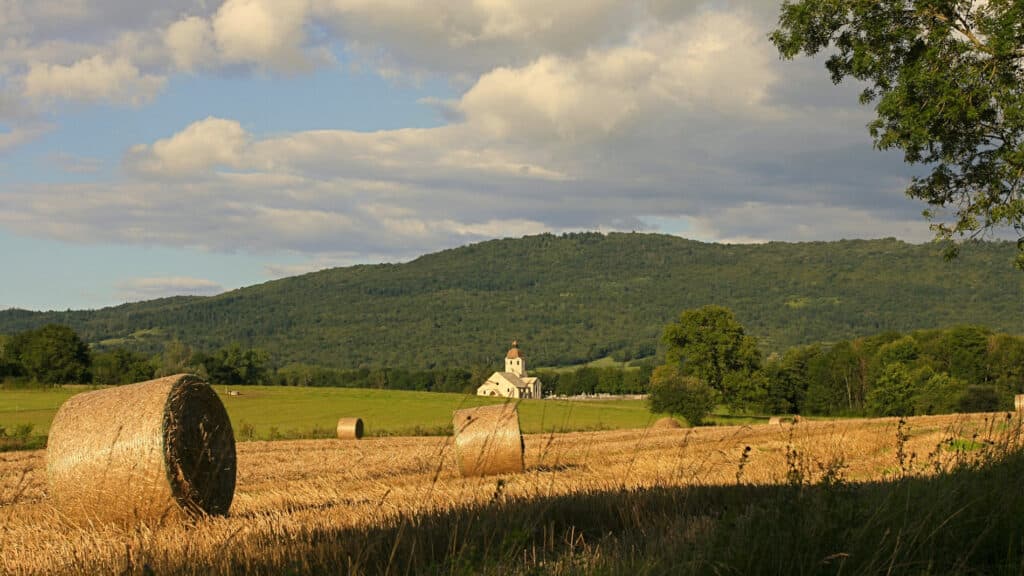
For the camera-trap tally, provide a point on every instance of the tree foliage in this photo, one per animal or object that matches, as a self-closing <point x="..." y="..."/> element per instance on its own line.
<point x="122" y="366"/>
<point x="571" y="299"/>
<point x="52" y="354"/>
<point x="709" y="343"/>
<point x="673" y="392"/>
<point x="945" y="77"/>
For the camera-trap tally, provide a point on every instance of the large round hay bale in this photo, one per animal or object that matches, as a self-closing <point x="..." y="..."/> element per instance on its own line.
<point x="774" y="421"/>
<point x="488" y="440"/>
<point x="150" y="451"/>
<point x="667" y="423"/>
<point x="350" y="428"/>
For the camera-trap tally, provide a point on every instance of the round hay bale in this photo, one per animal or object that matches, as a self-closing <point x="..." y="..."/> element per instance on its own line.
<point x="667" y="423"/>
<point x="488" y="440"/>
<point x="350" y="428"/>
<point x="150" y="451"/>
<point x="775" y="421"/>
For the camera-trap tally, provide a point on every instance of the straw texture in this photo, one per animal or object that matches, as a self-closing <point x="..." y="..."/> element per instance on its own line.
<point x="488" y="440"/>
<point x="143" y="452"/>
<point x="667" y="422"/>
<point x="350" y="428"/>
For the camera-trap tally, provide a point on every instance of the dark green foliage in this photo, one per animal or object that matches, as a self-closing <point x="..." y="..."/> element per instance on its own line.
<point x="945" y="77"/>
<point x="893" y="392"/>
<point x="834" y="384"/>
<point x="937" y="393"/>
<point x="710" y="343"/>
<point x="979" y="399"/>
<point x="120" y="366"/>
<point x="233" y="365"/>
<point x="674" y="393"/>
<point x="964" y="368"/>
<point x="52" y="354"/>
<point x="789" y="379"/>
<point x="569" y="300"/>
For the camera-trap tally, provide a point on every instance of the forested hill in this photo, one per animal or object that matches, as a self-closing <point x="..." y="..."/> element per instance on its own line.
<point x="572" y="298"/>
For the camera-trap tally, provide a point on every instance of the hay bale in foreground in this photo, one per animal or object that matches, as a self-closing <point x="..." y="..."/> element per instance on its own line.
<point x="488" y="440"/>
<point x="350" y="428"/>
<point x="667" y="423"/>
<point x="150" y="451"/>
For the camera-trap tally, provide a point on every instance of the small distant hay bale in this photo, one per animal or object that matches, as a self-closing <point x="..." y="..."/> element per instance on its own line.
<point x="775" y="421"/>
<point x="350" y="428"/>
<point x="145" y="452"/>
<point x="667" y="423"/>
<point x="488" y="440"/>
<point x="1018" y="402"/>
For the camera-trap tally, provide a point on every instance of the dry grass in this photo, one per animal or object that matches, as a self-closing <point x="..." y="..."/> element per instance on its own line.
<point x="303" y="505"/>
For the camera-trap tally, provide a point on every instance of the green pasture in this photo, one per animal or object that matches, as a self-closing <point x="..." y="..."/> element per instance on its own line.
<point x="263" y="412"/>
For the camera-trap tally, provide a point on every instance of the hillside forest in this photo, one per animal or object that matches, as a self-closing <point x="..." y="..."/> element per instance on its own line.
<point x="570" y="299"/>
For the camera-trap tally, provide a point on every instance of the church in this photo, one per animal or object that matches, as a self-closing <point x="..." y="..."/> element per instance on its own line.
<point x="513" y="382"/>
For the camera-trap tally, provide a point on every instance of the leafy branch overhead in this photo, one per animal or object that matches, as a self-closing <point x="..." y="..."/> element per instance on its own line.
<point x="946" y="78"/>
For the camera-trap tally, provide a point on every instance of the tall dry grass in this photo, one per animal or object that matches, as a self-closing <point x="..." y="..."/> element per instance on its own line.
<point x="933" y="495"/>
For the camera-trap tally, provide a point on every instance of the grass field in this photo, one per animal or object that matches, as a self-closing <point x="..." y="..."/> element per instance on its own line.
<point x="937" y="495"/>
<point x="266" y="412"/>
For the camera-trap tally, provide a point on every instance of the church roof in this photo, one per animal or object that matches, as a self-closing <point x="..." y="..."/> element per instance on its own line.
<point x="513" y="352"/>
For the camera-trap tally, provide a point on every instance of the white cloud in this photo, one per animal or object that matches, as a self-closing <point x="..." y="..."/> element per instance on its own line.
<point x="472" y="36"/>
<point x="580" y="114"/>
<point x="136" y="289"/>
<point x="92" y="79"/>
<point x="267" y="32"/>
<point x="197" y="148"/>
<point x="190" y="43"/>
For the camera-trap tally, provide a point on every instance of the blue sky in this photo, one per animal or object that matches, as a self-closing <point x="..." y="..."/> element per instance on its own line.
<point x="191" y="147"/>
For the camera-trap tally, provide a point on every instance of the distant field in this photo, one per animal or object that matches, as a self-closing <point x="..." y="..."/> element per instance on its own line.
<point x="263" y="412"/>
<point x="606" y="362"/>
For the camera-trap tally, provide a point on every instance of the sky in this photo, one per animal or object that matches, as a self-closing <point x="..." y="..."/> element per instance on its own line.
<point x="196" y="146"/>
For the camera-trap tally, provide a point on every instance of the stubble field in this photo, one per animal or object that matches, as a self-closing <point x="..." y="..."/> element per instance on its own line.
<point x="637" y="501"/>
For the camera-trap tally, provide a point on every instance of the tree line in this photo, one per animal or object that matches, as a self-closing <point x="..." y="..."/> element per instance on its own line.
<point x="708" y="360"/>
<point x="711" y="360"/>
<point x="56" y="354"/>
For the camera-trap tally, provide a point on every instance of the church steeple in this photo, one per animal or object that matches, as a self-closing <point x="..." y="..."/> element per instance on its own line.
<point x="514" y="360"/>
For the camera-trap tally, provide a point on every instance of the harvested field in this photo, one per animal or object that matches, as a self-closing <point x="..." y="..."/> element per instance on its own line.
<point x="397" y="503"/>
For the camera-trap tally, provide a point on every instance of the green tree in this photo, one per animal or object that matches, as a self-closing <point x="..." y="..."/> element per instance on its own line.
<point x="710" y="343"/>
<point x="52" y="354"/>
<point x="945" y="76"/>
<point x="893" y="392"/>
<point x="834" y="385"/>
<point x="979" y="399"/>
<point x="674" y="393"/>
<point x="175" y="359"/>
<point x="121" y="366"/>
<point x="937" y="393"/>
<point x="1005" y="361"/>
<point x="9" y="365"/>
<point x="234" y="365"/>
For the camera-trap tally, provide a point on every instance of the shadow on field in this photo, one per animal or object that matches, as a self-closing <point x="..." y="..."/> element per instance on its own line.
<point x="966" y="521"/>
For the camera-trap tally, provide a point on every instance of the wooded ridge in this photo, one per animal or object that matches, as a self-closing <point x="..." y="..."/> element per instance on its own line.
<point x="570" y="299"/>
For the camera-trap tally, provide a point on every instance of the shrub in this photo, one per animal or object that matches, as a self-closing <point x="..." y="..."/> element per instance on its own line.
<point x="686" y="396"/>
